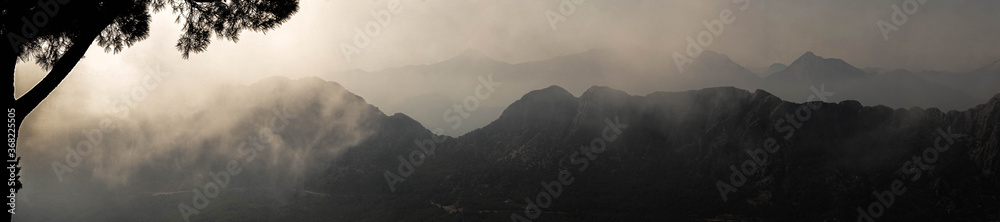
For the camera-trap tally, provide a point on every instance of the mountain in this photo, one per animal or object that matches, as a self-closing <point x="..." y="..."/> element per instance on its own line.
<point x="665" y="163"/>
<point x="901" y="88"/>
<point x="993" y="69"/>
<point x="897" y="88"/>
<point x="656" y="157"/>
<point x="813" y="69"/>
<point x="980" y="83"/>
<point x="712" y="69"/>
<point x="774" y="68"/>
<point x="765" y="71"/>
<point x="436" y="111"/>
<point x="643" y="72"/>
<point x="280" y="133"/>
<point x="460" y="77"/>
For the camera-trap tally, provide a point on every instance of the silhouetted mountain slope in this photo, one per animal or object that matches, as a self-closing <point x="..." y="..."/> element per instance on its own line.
<point x="655" y="157"/>
<point x="666" y="163"/>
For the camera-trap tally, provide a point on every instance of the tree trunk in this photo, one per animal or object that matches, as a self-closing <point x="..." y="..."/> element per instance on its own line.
<point x="18" y="109"/>
<point x="61" y="68"/>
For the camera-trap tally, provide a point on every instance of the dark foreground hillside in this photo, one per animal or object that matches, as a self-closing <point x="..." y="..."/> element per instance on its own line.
<point x="676" y="149"/>
<point x="710" y="154"/>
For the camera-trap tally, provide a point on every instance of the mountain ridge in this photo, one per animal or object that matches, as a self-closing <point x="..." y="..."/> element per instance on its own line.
<point x="812" y="68"/>
<point x="664" y="150"/>
<point x="691" y="136"/>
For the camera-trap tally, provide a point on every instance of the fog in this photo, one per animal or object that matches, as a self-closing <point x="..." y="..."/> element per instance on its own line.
<point x="641" y="33"/>
<point x="425" y="32"/>
<point x="950" y="36"/>
<point x="168" y="134"/>
<point x="173" y="121"/>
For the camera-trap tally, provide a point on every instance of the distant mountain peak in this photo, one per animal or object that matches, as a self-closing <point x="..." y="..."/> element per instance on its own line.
<point x="709" y="57"/>
<point x="810" y="54"/>
<point x="550" y="93"/>
<point x="715" y="69"/>
<point x="808" y="58"/>
<point x="775" y="68"/>
<point x="552" y="90"/>
<point x="402" y="116"/>
<point x="810" y="67"/>
<point x="538" y="108"/>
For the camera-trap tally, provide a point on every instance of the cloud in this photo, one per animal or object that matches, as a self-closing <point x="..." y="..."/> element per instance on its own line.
<point x="952" y="35"/>
<point x="172" y="136"/>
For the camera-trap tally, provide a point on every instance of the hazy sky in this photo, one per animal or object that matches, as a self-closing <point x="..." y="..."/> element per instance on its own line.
<point x="955" y="35"/>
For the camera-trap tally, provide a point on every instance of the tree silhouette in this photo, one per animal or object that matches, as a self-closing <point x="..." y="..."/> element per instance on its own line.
<point x="57" y="33"/>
